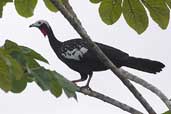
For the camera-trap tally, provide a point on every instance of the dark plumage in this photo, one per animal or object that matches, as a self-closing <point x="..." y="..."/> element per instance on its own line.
<point x="76" y="54"/>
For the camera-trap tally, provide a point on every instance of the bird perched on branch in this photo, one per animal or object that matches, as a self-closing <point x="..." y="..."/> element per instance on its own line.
<point x="76" y="54"/>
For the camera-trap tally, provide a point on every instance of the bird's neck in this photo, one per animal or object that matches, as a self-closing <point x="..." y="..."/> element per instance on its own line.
<point x="55" y="43"/>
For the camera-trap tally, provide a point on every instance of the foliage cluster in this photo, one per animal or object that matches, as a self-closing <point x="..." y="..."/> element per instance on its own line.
<point x="19" y="66"/>
<point x="135" y="12"/>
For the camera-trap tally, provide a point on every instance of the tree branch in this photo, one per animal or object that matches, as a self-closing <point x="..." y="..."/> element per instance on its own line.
<point x="69" y="8"/>
<point x="129" y="75"/>
<point x="109" y="100"/>
<point x="82" y="32"/>
<point x="148" y="86"/>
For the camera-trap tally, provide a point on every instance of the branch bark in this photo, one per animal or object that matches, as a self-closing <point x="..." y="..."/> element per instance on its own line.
<point x="148" y="86"/>
<point x="109" y="100"/>
<point x="82" y="32"/>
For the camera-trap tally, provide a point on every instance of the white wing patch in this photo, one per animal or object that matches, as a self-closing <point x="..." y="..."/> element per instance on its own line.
<point x="75" y="54"/>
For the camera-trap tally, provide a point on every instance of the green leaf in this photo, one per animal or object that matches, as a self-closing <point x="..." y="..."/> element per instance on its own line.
<point x="1" y="10"/>
<point x="19" y="85"/>
<point x="25" y="56"/>
<point x="10" y="70"/>
<point x="168" y="3"/>
<point x="69" y="87"/>
<point x="158" y="11"/>
<point x="5" y="82"/>
<point x="46" y="81"/>
<point x="55" y="88"/>
<point x="32" y="64"/>
<point x="25" y="8"/>
<point x="95" y="1"/>
<point x="31" y="53"/>
<point x="110" y="11"/>
<point x="50" y="6"/>
<point x="70" y="93"/>
<point x="168" y="112"/>
<point x="15" y="69"/>
<point x="9" y="45"/>
<point x="135" y="15"/>
<point x="14" y="50"/>
<point x="2" y="4"/>
<point x="53" y="81"/>
<point x="42" y="77"/>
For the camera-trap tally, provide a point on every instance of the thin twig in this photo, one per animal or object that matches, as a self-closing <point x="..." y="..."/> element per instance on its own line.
<point x="109" y="100"/>
<point x="82" y="32"/>
<point x="148" y="86"/>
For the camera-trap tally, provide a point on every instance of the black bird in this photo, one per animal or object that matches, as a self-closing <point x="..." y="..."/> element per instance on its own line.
<point x="77" y="55"/>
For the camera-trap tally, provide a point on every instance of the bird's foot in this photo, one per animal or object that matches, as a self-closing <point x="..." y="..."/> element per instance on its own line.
<point x="75" y="82"/>
<point x="86" y="87"/>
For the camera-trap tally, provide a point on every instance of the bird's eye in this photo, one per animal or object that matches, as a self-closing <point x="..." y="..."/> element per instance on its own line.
<point x="39" y="22"/>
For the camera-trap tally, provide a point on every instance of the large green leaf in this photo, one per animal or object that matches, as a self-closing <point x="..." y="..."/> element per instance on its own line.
<point x="68" y="87"/>
<point x="31" y="53"/>
<point x="168" y="112"/>
<point x="158" y="11"/>
<point x="47" y="80"/>
<point x="1" y="9"/>
<point x="110" y="11"/>
<point x="135" y="15"/>
<point x="53" y="81"/>
<point x="26" y="57"/>
<point x="9" y="45"/>
<point x="14" y="50"/>
<point x="10" y="70"/>
<point x="5" y="82"/>
<point x="95" y="1"/>
<point x="2" y="4"/>
<point x="19" y="85"/>
<point x="50" y="6"/>
<point x="15" y="69"/>
<point x="22" y="53"/>
<point x="55" y="88"/>
<point x="43" y="78"/>
<point x="168" y="2"/>
<point x="25" y="8"/>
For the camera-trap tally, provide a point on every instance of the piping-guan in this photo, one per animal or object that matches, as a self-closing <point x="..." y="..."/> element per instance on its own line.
<point x="76" y="54"/>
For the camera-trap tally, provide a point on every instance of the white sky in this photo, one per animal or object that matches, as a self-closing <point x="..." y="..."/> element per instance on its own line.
<point x="154" y="43"/>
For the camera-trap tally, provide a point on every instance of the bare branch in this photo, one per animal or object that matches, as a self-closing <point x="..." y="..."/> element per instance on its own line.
<point x="148" y="86"/>
<point x="69" y="8"/>
<point x="108" y="100"/>
<point x="82" y="32"/>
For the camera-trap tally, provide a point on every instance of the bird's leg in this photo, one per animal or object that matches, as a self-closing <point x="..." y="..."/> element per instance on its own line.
<point x="79" y="80"/>
<point x="83" y="78"/>
<point x="88" y="81"/>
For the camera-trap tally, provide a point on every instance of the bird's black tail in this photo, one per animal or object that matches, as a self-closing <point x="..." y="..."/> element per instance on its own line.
<point x="145" y="65"/>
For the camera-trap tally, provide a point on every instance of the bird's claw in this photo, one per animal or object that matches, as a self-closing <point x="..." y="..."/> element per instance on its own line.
<point x="86" y="87"/>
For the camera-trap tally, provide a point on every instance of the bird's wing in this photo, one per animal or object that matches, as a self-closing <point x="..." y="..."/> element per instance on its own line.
<point x="112" y="52"/>
<point x="74" y="49"/>
<point x="78" y="50"/>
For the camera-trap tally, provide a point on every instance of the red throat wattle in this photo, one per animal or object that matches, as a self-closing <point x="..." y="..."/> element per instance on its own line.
<point x="44" y="31"/>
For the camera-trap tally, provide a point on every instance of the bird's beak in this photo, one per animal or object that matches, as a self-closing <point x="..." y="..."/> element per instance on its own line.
<point x="33" y="25"/>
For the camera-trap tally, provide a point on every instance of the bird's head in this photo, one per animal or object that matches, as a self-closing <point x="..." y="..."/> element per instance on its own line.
<point x="42" y="25"/>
